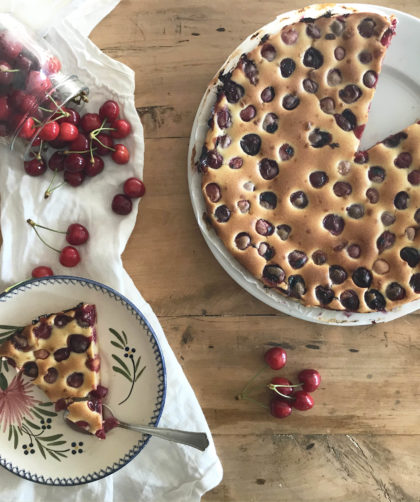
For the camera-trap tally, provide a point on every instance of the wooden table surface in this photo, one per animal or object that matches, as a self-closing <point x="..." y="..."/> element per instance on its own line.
<point x="361" y="440"/>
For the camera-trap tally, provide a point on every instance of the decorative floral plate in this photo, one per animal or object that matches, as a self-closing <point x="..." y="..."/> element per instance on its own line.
<point x="36" y="444"/>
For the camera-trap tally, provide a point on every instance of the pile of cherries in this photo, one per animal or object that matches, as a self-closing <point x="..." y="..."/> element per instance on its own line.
<point x="286" y="394"/>
<point x="60" y="138"/>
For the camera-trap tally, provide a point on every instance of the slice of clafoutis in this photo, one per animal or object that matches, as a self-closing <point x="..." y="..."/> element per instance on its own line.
<point x="60" y="353"/>
<point x="285" y="188"/>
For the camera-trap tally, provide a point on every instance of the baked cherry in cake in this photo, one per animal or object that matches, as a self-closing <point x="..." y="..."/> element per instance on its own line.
<point x="286" y="189"/>
<point x="60" y="353"/>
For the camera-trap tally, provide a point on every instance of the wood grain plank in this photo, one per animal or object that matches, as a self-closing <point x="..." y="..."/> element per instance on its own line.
<point x="318" y="468"/>
<point x="369" y="383"/>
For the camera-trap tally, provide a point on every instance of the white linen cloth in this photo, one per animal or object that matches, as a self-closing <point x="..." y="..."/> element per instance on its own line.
<point x="163" y="471"/>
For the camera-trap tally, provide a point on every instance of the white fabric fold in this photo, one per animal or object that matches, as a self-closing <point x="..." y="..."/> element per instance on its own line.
<point x="163" y="471"/>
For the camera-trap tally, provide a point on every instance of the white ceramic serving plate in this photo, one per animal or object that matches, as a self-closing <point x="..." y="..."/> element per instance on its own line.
<point x="395" y="106"/>
<point x="35" y="442"/>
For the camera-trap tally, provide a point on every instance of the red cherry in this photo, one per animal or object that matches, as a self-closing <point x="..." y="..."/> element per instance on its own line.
<point x="310" y="380"/>
<point x="105" y="147"/>
<point x="121" y="204"/>
<point x="74" y="179"/>
<point x="77" y="234"/>
<point x="35" y="167"/>
<point x="73" y="116"/>
<point x="53" y="65"/>
<point x="50" y="131"/>
<point x="90" y="121"/>
<point x="303" y="401"/>
<point x="27" y="129"/>
<point x="80" y="144"/>
<point x="276" y="358"/>
<point x="75" y="162"/>
<point x="6" y="76"/>
<point x="23" y="63"/>
<point x="279" y="408"/>
<point x="36" y="141"/>
<point x="10" y="48"/>
<point x="109" y="110"/>
<point x="134" y="188"/>
<point x="283" y="381"/>
<point x="68" y="132"/>
<point x="28" y="104"/>
<point x="69" y="256"/>
<point x="57" y="143"/>
<point x="121" y="154"/>
<point x="56" y="161"/>
<point x="4" y="108"/>
<point x="38" y="83"/>
<point x="42" y="271"/>
<point x="123" y="128"/>
<point x="96" y="167"/>
<point x="3" y="130"/>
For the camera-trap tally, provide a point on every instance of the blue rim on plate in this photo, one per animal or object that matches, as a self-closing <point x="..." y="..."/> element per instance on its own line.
<point x="161" y="370"/>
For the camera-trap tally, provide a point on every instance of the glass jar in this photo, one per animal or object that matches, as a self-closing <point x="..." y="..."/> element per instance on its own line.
<point x="33" y="88"/>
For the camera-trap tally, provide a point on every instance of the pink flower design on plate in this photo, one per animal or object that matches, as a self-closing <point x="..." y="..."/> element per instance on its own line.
<point x="16" y="402"/>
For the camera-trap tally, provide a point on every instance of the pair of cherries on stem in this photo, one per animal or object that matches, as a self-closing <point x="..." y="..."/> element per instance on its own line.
<point x="76" y="234"/>
<point x="288" y="395"/>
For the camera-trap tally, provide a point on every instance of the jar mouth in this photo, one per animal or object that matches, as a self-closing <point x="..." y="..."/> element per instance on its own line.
<point x="68" y="86"/>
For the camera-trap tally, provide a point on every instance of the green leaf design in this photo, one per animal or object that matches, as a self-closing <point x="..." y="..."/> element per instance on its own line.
<point x="51" y="438"/>
<point x="58" y="443"/>
<point x="16" y="438"/>
<point x="49" y="403"/>
<point x="61" y="453"/>
<point x="31" y="424"/>
<point x="37" y="414"/>
<point x="140" y="374"/>
<point x="115" y="344"/>
<point x="10" y="433"/>
<point x="121" y="363"/>
<point x="117" y="335"/>
<point x="125" y="337"/>
<point x="3" y="382"/>
<point x="47" y="413"/>
<point x="54" y="455"/>
<point x="117" y="369"/>
<point x="40" y="447"/>
<point x="136" y="366"/>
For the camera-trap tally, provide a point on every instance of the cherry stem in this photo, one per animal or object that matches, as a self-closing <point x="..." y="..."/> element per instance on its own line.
<point x="105" y="146"/>
<point x="36" y="120"/>
<point x="9" y="71"/>
<point x="92" y="160"/>
<point x="280" y="393"/>
<point x="48" y="192"/>
<point x="66" y="152"/>
<point x="108" y="129"/>
<point x="247" y="398"/>
<point x="34" y="225"/>
<point x="257" y="374"/>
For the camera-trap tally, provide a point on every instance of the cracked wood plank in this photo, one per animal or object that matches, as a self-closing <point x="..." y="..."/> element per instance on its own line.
<point x="318" y="468"/>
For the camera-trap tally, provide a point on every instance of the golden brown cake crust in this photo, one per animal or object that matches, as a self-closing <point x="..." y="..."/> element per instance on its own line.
<point x="292" y="202"/>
